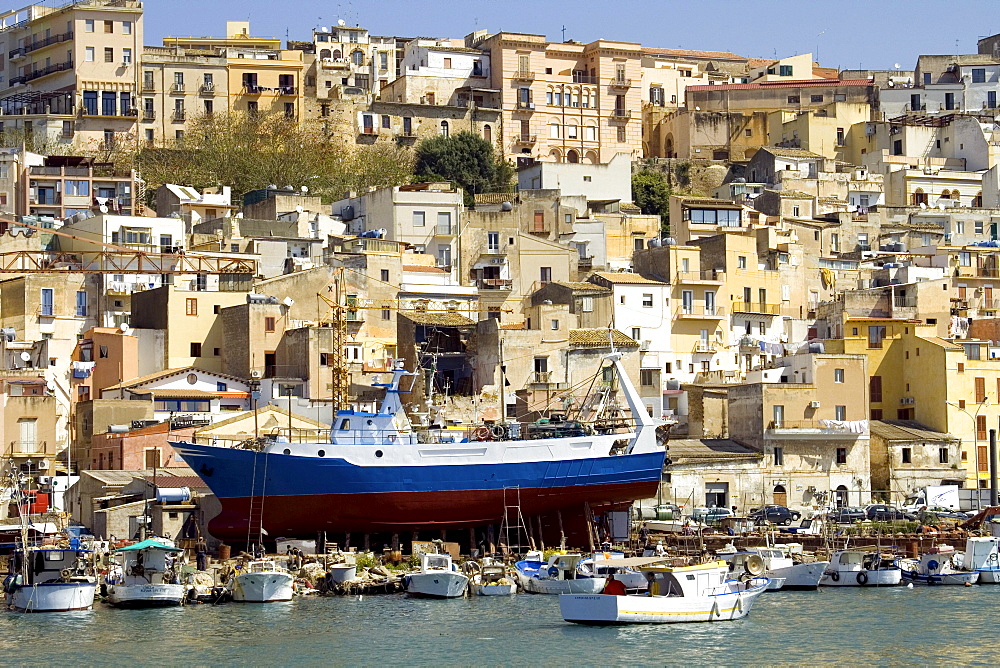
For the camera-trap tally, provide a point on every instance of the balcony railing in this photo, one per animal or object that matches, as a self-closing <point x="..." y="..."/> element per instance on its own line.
<point x="44" y="72"/>
<point x="542" y="377"/>
<point x="816" y="426"/>
<point x="148" y="86"/>
<point x="701" y="276"/>
<point x="177" y="87"/>
<point x="584" y="79"/>
<point x="704" y="347"/>
<point x="621" y="115"/>
<point x="495" y="284"/>
<point x="756" y="307"/>
<point x="285" y="90"/>
<point x="618" y="82"/>
<point x="22" y="448"/>
<point x="178" y="115"/>
<point x="207" y="89"/>
<point x="148" y="115"/>
<point x="523" y="75"/>
<point x="525" y="106"/>
<point x="525" y="139"/>
<point x="695" y="311"/>
<point x="40" y="44"/>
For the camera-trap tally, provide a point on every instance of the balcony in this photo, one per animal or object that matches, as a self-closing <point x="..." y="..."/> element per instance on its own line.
<point x="27" y="448"/>
<point x="756" y="307"/>
<point x="148" y="115"/>
<point x="207" y="89"/>
<point x="704" y="347"/>
<point x="708" y="276"/>
<point x="525" y="140"/>
<point x="42" y="43"/>
<point x="177" y="87"/>
<point x="525" y="106"/>
<point x="749" y="344"/>
<point x="523" y="75"/>
<point x="621" y="115"/>
<point x="808" y="429"/>
<point x="285" y="90"/>
<point x="336" y="64"/>
<point x="177" y="116"/>
<point x="17" y="54"/>
<point x="694" y="312"/>
<point x="584" y="79"/>
<point x="542" y="378"/>
<point x="148" y="86"/>
<point x="620" y="83"/>
<point x="44" y="72"/>
<point x="368" y="131"/>
<point x="495" y="284"/>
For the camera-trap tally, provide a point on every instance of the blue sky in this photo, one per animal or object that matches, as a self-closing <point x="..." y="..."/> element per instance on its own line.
<point x="847" y="33"/>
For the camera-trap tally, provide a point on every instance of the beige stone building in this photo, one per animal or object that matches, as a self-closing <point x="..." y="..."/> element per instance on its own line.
<point x="566" y="101"/>
<point x="71" y="73"/>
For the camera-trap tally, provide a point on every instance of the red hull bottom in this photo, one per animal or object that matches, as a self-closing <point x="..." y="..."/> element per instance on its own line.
<point x="304" y="516"/>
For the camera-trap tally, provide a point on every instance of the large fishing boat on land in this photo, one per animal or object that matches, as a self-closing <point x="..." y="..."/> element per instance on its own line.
<point x="376" y="473"/>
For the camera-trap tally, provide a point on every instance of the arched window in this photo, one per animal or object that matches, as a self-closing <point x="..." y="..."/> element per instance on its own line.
<point x="592" y="157"/>
<point x="977" y="201"/>
<point x="324" y="54"/>
<point x="444" y="128"/>
<point x="572" y="156"/>
<point x="945" y="194"/>
<point x="358" y="57"/>
<point x="337" y="55"/>
<point x="555" y="155"/>
<point x="488" y="133"/>
<point x="840" y="496"/>
<point x="668" y="146"/>
<point x="919" y="197"/>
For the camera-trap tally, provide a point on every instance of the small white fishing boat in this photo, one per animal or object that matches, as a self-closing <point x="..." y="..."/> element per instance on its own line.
<point x="491" y="579"/>
<point x="701" y="593"/>
<point x="438" y="578"/>
<point x="777" y="565"/>
<point x="936" y="568"/>
<point x="558" y="575"/>
<point x="981" y="555"/>
<point x="148" y="576"/>
<point x="262" y="581"/>
<point x="606" y="564"/>
<point x="50" y="579"/>
<point x="860" y="567"/>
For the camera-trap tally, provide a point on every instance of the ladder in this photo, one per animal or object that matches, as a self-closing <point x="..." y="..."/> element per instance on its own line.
<point x="255" y="518"/>
<point x="513" y="523"/>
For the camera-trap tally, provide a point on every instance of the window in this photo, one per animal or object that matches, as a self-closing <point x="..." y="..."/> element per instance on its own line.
<point x="195" y="349"/>
<point x="109" y="54"/>
<point x="638" y="243"/>
<point x="647" y="300"/>
<point x="876" y="333"/>
<point x="779" y="457"/>
<point x="981" y="427"/>
<point x="444" y="128"/>
<point x="418" y="219"/>
<point x="841" y="455"/>
<point x="621" y="135"/>
<point x="991" y="99"/>
<point x="876" y="414"/>
<point x="81" y="304"/>
<point x="554" y="325"/>
<point x="88" y="25"/>
<point x="978" y="75"/>
<point x="778" y="413"/>
<point x="553" y="131"/>
<point x="961" y="368"/>
<point x="191" y="306"/>
<point x="126" y="27"/>
<point x="793" y="99"/>
<point x="815" y="98"/>
<point x="636" y="333"/>
<point x="571" y="132"/>
<point x="784" y="70"/>
<point x="47" y="306"/>
<point x="587" y="304"/>
<point x="875" y="389"/>
<point x="838" y="375"/>
<point x="741" y="262"/>
<point x="942" y="455"/>
<point x="269" y="324"/>
<point x="980" y="384"/>
<point x="647" y="377"/>
<point x="979" y="228"/>
<point x="109" y="26"/>
<point x="444" y="222"/>
<point x="545" y="274"/>
<point x="907" y="455"/>
<point x="386" y="121"/>
<point x="840" y="412"/>
<point x="88" y="54"/>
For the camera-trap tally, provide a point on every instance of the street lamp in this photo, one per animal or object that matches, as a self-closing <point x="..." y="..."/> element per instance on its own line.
<point x="975" y="438"/>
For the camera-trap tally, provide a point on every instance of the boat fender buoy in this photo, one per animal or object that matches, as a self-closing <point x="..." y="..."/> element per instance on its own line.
<point x="66" y="573"/>
<point x="553" y="572"/>
<point x="835" y="576"/>
<point x="862" y="578"/>
<point x="932" y="565"/>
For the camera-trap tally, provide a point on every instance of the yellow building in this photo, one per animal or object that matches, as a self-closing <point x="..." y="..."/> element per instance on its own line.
<point x="950" y="386"/>
<point x="566" y="101"/>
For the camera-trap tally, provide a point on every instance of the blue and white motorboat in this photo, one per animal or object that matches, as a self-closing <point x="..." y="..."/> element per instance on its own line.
<point x="50" y="579"/>
<point x="982" y="554"/>
<point x="557" y="575"/>
<point x="937" y="568"/>
<point x="606" y="564"/>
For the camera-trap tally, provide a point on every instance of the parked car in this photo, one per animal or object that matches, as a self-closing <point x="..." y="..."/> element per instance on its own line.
<point x="847" y="515"/>
<point x="882" y="513"/>
<point x="935" y="513"/>
<point x="710" y="516"/>
<point x="774" y="514"/>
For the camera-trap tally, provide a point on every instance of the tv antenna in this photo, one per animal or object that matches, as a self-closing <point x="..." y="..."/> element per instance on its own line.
<point x="564" y="33"/>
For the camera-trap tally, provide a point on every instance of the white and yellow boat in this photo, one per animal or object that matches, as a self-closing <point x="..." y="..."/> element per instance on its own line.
<point x="700" y="593"/>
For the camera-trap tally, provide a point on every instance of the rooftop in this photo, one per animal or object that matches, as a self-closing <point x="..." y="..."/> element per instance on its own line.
<point x="709" y="449"/>
<point x="784" y="84"/>
<point x="439" y="319"/>
<point x="784" y="152"/>
<point x="627" y="277"/>
<point x="689" y="53"/>
<point x="598" y="338"/>
<point x="906" y="430"/>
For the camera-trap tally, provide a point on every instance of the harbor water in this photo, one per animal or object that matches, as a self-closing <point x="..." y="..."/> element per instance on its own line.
<point x="891" y="626"/>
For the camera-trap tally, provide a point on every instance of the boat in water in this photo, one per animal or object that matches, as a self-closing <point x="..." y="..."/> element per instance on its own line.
<point x="491" y="579"/>
<point x="699" y="593"/>
<point x="937" y="568"/>
<point x="779" y="566"/>
<point x="557" y="575"/>
<point x="147" y="576"/>
<point x="861" y="567"/>
<point x="50" y="579"/>
<point x="262" y="581"/>
<point x="438" y="578"/>
<point x="982" y="554"/>
<point x="376" y="473"/>
<point x="605" y="564"/>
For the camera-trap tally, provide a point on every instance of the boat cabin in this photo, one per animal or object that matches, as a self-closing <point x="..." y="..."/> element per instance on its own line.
<point x="149" y="562"/>
<point x="49" y="565"/>
<point x="435" y="562"/>
<point x="699" y="580"/>
<point x="862" y="560"/>
<point x="982" y="553"/>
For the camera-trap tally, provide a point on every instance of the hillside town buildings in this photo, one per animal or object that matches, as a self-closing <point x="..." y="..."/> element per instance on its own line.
<point x="813" y="320"/>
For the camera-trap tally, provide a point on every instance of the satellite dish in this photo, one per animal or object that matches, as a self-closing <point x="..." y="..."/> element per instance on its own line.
<point x="697" y="108"/>
<point x="123" y="327"/>
<point x="50" y="386"/>
<point x="299" y="209"/>
<point x="26" y="356"/>
<point x="891" y="83"/>
<point x="923" y="205"/>
<point x="288" y="301"/>
<point x="104" y="208"/>
<point x="896" y="66"/>
<point x="340" y="22"/>
<point x="304" y="189"/>
<point x="942" y="206"/>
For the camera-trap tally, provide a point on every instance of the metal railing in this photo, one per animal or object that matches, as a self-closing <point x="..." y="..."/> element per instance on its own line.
<point x="177" y="87"/>
<point x="618" y="82"/>
<point x="807" y="424"/>
<point x="698" y="311"/>
<point x="523" y="75"/>
<point x="526" y="139"/>
<point x="21" y="448"/>
<point x="756" y="307"/>
<point x="542" y="377"/>
<point x="495" y="284"/>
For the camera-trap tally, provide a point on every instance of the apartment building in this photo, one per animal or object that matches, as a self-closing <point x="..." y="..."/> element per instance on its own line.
<point x="65" y="186"/>
<point x="566" y="102"/>
<point x="178" y="85"/>
<point x="71" y="72"/>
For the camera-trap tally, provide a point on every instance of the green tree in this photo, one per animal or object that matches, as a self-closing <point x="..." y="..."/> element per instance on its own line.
<point x="465" y="158"/>
<point x="251" y="151"/>
<point x="651" y="194"/>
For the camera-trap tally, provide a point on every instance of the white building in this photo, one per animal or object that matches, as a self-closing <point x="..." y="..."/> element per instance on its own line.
<point x="596" y="182"/>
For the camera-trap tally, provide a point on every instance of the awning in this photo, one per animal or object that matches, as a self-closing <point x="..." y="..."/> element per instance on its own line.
<point x="147" y="544"/>
<point x="629" y="562"/>
<point x="169" y="393"/>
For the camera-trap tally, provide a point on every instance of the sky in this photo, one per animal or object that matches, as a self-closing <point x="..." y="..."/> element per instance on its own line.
<point x="872" y="34"/>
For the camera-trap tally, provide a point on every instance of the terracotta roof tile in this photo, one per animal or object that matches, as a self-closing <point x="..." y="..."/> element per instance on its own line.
<point x="789" y="152"/>
<point x="626" y="277"/>
<point x="598" y="338"/>
<point x="582" y="286"/>
<point x="690" y="53"/>
<point x="783" y="84"/>
<point x="439" y="319"/>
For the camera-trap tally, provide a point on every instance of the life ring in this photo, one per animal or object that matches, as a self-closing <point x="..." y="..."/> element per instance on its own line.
<point x="862" y="578"/>
<point x="66" y="573"/>
<point x="553" y="572"/>
<point x="932" y="565"/>
<point x="482" y="434"/>
<point x="835" y="576"/>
